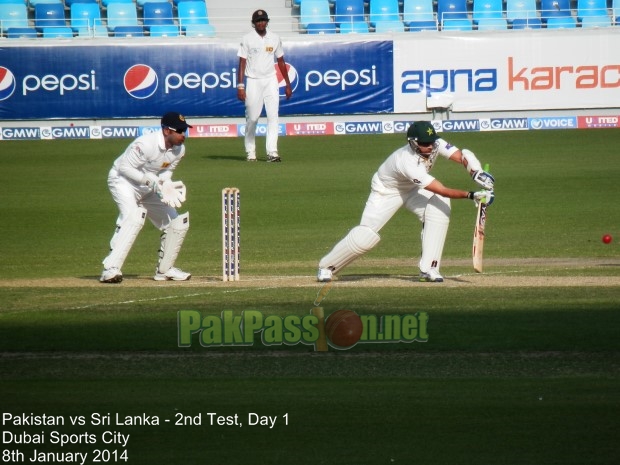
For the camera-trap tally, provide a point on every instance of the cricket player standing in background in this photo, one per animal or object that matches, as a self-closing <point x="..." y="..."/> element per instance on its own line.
<point x="140" y="182"/>
<point x="256" y="66"/>
<point x="404" y="180"/>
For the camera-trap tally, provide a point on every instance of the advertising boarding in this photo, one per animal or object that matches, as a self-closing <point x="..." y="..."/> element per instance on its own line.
<point x="144" y="80"/>
<point x="509" y="70"/>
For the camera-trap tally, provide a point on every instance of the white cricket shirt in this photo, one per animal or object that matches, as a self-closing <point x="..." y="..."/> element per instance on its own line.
<point x="404" y="169"/>
<point x="148" y="154"/>
<point x="260" y="53"/>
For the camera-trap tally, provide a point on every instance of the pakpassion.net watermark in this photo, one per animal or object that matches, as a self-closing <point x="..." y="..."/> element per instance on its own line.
<point x="342" y="329"/>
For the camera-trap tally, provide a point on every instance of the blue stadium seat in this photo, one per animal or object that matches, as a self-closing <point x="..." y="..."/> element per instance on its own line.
<point x="389" y="26"/>
<point x="615" y="11"/>
<point x="57" y="32"/>
<point x="49" y="15"/>
<point x="85" y="18"/>
<point x="521" y="9"/>
<point x="348" y="11"/>
<point x="25" y="2"/>
<point x="120" y="14"/>
<point x="492" y="24"/>
<point x="157" y="14"/>
<point x="192" y="12"/>
<point x="68" y="3"/>
<point x="554" y="9"/>
<point x="418" y="15"/>
<point x="128" y="31"/>
<point x="561" y="22"/>
<point x="321" y="28"/>
<point x="383" y="10"/>
<point x="356" y="27"/>
<point x="13" y="15"/>
<point x="457" y="24"/>
<point x="314" y="11"/>
<point x="164" y="30"/>
<point x="21" y="33"/>
<point x="451" y="9"/>
<point x="105" y="3"/>
<point x="596" y="21"/>
<point x="200" y="30"/>
<point x="526" y="23"/>
<point x="592" y="9"/>
<point x="484" y="9"/>
<point x="33" y="3"/>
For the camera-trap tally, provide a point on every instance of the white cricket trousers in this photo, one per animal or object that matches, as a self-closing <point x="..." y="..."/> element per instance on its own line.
<point x="431" y="209"/>
<point x="129" y="198"/>
<point x="261" y="92"/>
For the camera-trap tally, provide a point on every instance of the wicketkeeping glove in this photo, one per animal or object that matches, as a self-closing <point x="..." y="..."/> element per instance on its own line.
<point x="485" y="197"/>
<point x="486" y="180"/>
<point x="172" y="193"/>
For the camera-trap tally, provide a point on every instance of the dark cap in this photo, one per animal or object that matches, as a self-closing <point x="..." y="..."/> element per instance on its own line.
<point x="259" y="15"/>
<point x="175" y="121"/>
<point x="422" y="131"/>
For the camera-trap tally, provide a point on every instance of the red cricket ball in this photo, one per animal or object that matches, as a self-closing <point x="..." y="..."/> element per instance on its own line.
<point x="344" y="328"/>
<point x="607" y="238"/>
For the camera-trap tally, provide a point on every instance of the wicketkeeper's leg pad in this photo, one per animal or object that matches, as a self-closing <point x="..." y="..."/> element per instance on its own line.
<point x="171" y="241"/>
<point x="358" y="241"/>
<point x="124" y="237"/>
<point x="436" y="222"/>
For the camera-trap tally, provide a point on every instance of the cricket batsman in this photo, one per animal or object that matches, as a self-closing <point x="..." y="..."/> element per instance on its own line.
<point x="404" y="180"/>
<point x="140" y="182"/>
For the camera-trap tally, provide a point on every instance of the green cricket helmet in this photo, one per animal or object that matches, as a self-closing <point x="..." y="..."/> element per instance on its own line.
<point x="422" y="132"/>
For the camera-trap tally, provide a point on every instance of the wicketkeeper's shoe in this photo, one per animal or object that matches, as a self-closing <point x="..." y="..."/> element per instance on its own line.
<point x="173" y="274"/>
<point x="432" y="276"/>
<point x="251" y="156"/>
<point x="111" y="275"/>
<point x="273" y="157"/>
<point x="324" y="275"/>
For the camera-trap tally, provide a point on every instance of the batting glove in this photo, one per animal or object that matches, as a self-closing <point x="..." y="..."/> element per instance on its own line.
<point x="486" y="180"/>
<point x="485" y="197"/>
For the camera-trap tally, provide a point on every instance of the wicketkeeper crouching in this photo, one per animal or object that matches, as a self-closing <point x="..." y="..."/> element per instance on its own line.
<point x="140" y="182"/>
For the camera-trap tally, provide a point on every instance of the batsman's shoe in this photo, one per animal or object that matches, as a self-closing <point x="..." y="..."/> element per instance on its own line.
<point x="251" y="156"/>
<point x="273" y="157"/>
<point x="324" y="275"/>
<point x="173" y="274"/>
<point x="111" y="275"/>
<point x="432" y="276"/>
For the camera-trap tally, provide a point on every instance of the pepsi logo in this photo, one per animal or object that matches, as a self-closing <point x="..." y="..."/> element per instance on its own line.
<point x="140" y="81"/>
<point x="293" y="78"/>
<point x="7" y="83"/>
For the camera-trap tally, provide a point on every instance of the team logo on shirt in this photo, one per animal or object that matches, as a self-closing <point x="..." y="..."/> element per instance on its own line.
<point x="7" y="83"/>
<point x="269" y="49"/>
<point x="140" y="81"/>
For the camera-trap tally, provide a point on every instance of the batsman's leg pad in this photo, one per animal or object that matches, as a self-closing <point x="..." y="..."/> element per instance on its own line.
<point x="360" y="240"/>
<point x="123" y="238"/>
<point x="436" y="222"/>
<point x="171" y="241"/>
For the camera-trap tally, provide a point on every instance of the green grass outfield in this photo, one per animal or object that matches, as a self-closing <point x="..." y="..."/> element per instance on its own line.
<point x="521" y="365"/>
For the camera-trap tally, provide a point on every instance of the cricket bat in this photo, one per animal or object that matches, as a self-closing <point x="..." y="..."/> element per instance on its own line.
<point x="478" y="246"/>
